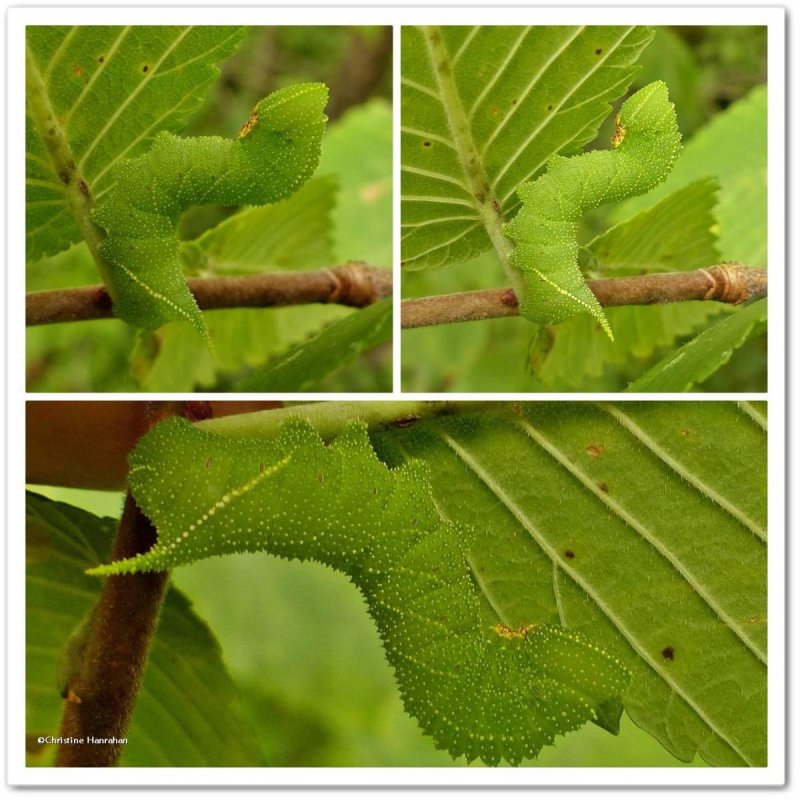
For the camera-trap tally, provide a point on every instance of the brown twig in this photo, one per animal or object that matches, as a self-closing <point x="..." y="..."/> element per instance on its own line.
<point x="727" y="283"/>
<point x="101" y="695"/>
<point x="352" y="284"/>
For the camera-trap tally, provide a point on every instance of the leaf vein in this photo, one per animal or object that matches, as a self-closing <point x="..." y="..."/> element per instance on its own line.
<point x="685" y="473"/>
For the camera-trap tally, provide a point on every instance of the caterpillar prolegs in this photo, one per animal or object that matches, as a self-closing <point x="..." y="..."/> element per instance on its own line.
<point x="550" y="285"/>
<point x="485" y="692"/>
<point x="276" y="152"/>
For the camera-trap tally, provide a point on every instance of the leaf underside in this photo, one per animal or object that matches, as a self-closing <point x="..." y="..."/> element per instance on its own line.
<point x="113" y="89"/>
<point x="523" y="94"/>
<point x="640" y="524"/>
<point x="487" y="692"/>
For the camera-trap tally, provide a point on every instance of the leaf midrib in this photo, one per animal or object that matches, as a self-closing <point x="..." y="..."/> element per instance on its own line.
<point x="483" y="199"/>
<point x="77" y="194"/>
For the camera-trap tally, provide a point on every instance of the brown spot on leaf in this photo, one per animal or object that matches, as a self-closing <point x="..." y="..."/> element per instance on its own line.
<point x="83" y="186"/>
<point x="569" y="554"/>
<point x="77" y="69"/>
<point x="426" y="144"/>
<point x="65" y="176"/>
<point x="145" y="68"/>
<point x="101" y="59"/>
<point x="668" y="653"/>
<point x="603" y="487"/>
<point x="599" y="51"/>
<point x="595" y="450"/>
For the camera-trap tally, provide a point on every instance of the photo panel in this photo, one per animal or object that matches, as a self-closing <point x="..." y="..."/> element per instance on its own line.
<point x="584" y="208"/>
<point x="397" y="584"/>
<point x="209" y="208"/>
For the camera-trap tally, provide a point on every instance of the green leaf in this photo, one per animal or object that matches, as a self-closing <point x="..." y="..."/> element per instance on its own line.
<point x="108" y="107"/>
<point x="276" y="152"/>
<point x="292" y="234"/>
<point x="188" y="712"/>
<point x="549" y="282"/>
<point x="468" y="141"/>
<point x="486" y="692"/>
<point x="358" y="153"/>
<point x="302" y="366"/>
<point x="732" y="148"/>
<point x="701" y="357"/>
<point x="676" y="234"/>
<point x="640" y="524"/>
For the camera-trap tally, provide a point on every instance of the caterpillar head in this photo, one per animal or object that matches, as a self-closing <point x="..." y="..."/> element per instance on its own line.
<point x="286" y="110"/>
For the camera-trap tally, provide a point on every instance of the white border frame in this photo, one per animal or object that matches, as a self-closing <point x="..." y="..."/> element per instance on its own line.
<point x="18" y="773"/>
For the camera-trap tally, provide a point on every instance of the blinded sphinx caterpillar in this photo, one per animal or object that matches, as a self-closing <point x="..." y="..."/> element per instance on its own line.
<point x="549" y="282"/>
<point x="486" y="692"/>
<point x="277" y="151"/>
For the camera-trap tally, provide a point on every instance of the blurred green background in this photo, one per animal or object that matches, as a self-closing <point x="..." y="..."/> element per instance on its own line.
<point x="351" y="213"/>
<point x="707" y="69"/>
<point x="308" y="662"/>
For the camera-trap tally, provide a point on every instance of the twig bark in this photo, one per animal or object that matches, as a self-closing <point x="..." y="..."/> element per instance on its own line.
<point x="352" y="284"/>
<point x="727" y="283"/>
<point x="101" y="696"/>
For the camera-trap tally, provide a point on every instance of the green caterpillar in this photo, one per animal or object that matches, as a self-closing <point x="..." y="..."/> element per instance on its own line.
<point x="550" y="285"/>
<point x="276" y="152"/>
<point x="486" y="692"/>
